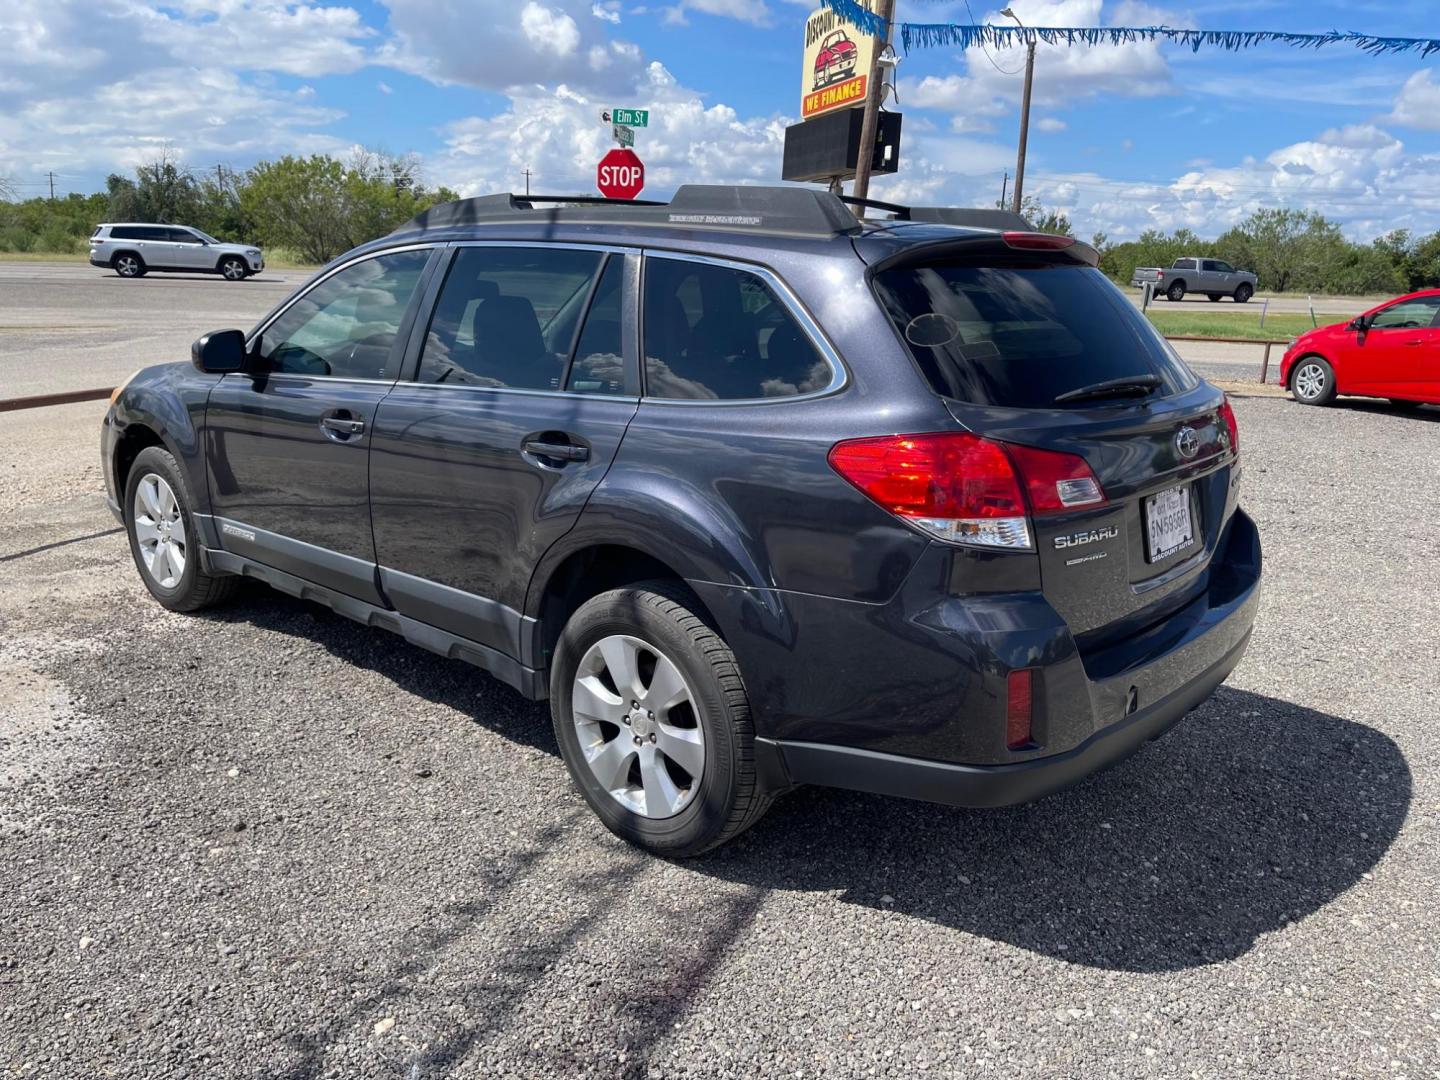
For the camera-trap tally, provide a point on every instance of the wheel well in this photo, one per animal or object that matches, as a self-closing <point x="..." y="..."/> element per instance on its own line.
<point x="126" y="251"/>
<point x="136" y="438"/>
<point x="228" y="255"/>
<point x="1175" y="281"/>
<point x="1299" y="360"/>
<point x="592" y="571"/>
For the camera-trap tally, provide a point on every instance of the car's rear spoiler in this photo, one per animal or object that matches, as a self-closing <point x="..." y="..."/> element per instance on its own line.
<point x="1009" y="247"/>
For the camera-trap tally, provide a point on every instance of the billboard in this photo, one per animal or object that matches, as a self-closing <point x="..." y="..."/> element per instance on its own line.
<point x="837" y="64"/>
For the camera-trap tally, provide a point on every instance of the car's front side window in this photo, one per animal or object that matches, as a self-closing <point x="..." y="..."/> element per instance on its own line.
<point x="183" y="236"/>
<point x="507" y="317"/>
<point x="1407" y="315"/>
<point x="719" y="333"/>
<point x="345" y="327"/>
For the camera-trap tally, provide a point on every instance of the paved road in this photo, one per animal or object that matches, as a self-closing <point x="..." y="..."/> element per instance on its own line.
<point x="69" y="326"/>
<point x="266" y="841"/>
<point x="1278" y="305"/>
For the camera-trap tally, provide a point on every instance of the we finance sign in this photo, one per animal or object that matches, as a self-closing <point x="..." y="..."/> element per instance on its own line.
<point x="837" y="64"/>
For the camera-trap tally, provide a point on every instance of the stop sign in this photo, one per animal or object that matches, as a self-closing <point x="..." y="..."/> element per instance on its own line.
<point x="620" y="175"/>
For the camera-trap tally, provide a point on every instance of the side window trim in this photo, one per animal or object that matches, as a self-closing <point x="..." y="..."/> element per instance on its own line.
<point x="839" y="374"/>
<point x="629" y="323"/>
<point x="407" y="320"/>
<point x="584" y="318"/>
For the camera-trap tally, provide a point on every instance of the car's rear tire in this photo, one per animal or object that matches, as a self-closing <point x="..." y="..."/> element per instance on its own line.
<point x="1312" y="382"/>
<point x="1176" y="291"/>
<point x="1212" y="297"/>
<point x="654" y="723"/>
<point x="164" y="539"/>
<point x="233" y="268"/>
<point x="128" y="265"/>
<point x="1243" y="293"/>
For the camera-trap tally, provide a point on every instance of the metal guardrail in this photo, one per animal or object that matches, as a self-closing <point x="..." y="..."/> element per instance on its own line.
<point x="1264" y="362"/>
<point x="70" y="397"/>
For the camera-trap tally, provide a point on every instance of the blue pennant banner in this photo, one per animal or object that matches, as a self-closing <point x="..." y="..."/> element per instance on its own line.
<point x="964" y="35"/>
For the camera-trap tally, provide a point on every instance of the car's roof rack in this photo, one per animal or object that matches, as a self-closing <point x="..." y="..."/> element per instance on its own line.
<point x="971" y="217"/>
<point x="795" y="211"/>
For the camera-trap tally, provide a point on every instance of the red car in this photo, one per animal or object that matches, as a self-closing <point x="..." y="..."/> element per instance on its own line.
<point x="1392" y="351"/>
<point x="836" y="60"/>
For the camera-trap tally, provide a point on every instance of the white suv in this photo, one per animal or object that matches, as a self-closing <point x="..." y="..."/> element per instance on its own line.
<point x="131" y="250"/>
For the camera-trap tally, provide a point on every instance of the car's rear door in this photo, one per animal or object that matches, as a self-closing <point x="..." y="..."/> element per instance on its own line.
<point x="287" y="448"/>
<point x="1010" y="338"/>
<point x="485" y="455"/>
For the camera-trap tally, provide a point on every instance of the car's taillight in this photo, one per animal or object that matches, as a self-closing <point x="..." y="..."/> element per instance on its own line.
<point x="966" y="489"/>
<point x="1227" y="414"/>
<point x="1035" y="241"/>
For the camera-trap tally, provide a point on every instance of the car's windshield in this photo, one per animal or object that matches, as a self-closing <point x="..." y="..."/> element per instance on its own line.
<point x="205" y="236"/>
<point x="1022" y="336"/>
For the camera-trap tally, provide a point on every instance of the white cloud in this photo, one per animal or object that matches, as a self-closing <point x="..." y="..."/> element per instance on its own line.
<point x="1418" y="103"/>
<point x="1064" y="74"/>
<point x="1050" y="124"/>
<point x="384" y="87"/>
<point x="556" y="133"/>
<point x="549" y="31"/>
<point x="608" y="11"/>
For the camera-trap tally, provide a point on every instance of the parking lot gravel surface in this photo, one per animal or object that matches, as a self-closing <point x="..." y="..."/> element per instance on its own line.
<point x="267" y="842"/>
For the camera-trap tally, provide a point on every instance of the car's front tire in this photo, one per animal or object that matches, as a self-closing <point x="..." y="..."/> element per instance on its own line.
<point x="1313" y="381"/>
<point x="164" y="540"/>
<point x="1243" y="293"/>
<point x="128" y="265"/>
<point x="233" y="268"/>
<point x="654" y="723"/>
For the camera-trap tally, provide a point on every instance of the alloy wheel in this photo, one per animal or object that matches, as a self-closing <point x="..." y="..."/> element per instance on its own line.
<point x="160" y="531"/>
<point x="1310" y="381"/>
<point x="127" y="266"/>
<point x="638" y="728"/>
<point x="233" y="270"/>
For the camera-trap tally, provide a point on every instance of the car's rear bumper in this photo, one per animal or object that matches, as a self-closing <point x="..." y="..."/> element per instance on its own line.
<point x="99" y="262"/>
<point x="995" y="785"/>
<point x="911" y="699"/>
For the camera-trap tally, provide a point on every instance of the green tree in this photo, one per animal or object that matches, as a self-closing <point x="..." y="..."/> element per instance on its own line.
<point x="320" y="207"/>
<point x="162" y="191"/>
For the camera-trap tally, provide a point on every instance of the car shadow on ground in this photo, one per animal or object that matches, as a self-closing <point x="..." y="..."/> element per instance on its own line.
<point x="1252" y="814"/>
<point x="1404" y="410"/>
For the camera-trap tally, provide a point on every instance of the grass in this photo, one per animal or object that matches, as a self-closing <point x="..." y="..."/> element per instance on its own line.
<point x="1246" y="325"/>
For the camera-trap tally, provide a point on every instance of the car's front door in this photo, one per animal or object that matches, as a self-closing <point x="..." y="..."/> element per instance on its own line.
<point x="1392" y="356"/>
<point x="187" y="251"/>
<point x="287" y="448"/>
<point x="524" y="386"/>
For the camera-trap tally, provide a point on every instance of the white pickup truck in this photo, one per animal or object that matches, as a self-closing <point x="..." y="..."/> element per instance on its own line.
<point x="1213" y="277"/>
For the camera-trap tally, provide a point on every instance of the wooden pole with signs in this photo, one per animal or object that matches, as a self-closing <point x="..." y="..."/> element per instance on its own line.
<point x="874" y="96"/>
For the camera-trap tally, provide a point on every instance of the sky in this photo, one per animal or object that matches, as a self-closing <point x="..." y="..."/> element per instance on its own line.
<point x="1122" y="138"/>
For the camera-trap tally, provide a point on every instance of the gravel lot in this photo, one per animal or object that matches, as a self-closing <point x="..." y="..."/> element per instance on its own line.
<point x="267" y="842"/>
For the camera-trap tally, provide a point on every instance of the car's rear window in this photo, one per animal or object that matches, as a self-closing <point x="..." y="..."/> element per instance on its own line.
<point x="1021" y="336"/>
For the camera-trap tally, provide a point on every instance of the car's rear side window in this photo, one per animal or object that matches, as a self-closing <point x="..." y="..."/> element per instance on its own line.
<point x="507" y="317"/>
<point x="125" y="232"/>
<point x="1020" y="336"/>
<point x="720" y="333"/>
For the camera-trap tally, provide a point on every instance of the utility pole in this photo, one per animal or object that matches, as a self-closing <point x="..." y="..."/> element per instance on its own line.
<point x="1004" y="188"/>
<point x="1024" y="111"/>
<point x="875" y="94"/>
<point x="527" y="179"/>
<point x="52" y="186"/>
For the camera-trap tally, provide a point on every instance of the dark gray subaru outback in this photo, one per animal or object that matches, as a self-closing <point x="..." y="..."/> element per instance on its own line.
<point x="755" y="493"/>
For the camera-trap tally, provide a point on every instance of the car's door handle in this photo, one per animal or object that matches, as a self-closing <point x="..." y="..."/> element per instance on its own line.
<point x="1416" y="341"/>
<point x="556" y="451"/>
<point x="342" y="425"/>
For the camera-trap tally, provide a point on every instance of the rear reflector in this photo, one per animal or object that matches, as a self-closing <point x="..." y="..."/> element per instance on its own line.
<point x="1035" y="241"/>
<point x="966" y="489"/>
<point x="1019" y="710"/>
<point x="1227" y="414"/>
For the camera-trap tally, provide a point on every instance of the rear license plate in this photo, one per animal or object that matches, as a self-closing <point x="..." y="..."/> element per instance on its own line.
<point x="1168" y="527"/>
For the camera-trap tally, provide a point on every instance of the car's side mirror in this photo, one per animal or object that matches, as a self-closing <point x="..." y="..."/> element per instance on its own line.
<point x="219" y="352"/>
<point x="1359" y="323"/>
